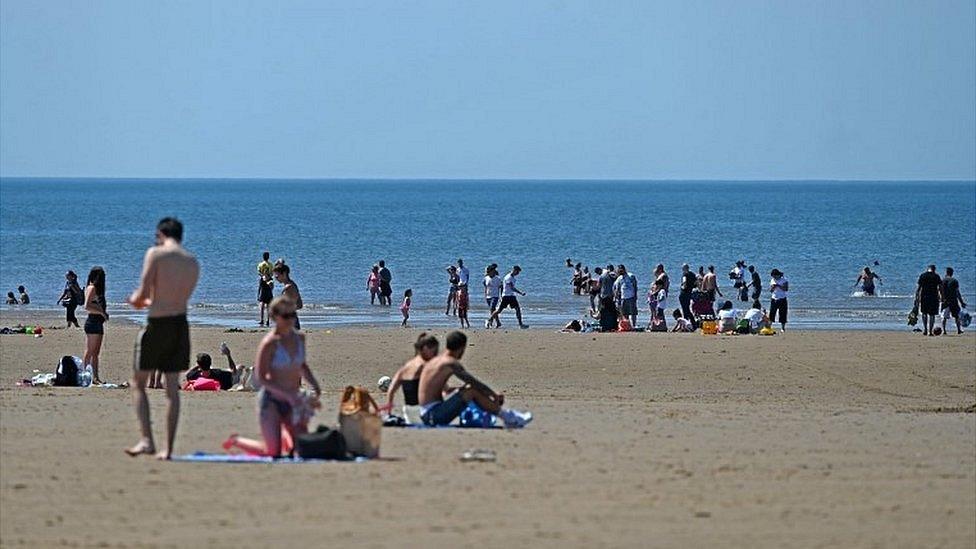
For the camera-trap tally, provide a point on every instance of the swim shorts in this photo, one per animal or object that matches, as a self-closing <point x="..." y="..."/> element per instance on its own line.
<point x="929" y="304"/>
<point x="508" y="301"/>
<point x="492" y="303"/>
<point x="164" y="345"/>
<point x="443" y="412"/>
<point x="628" y="306"/>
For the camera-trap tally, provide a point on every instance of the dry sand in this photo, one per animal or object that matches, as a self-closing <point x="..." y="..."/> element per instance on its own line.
<point x="816" y="439"/>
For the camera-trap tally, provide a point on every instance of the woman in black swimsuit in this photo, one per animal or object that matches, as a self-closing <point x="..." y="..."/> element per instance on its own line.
<point x="408" y="376"/>
<point x="97" y="316"/>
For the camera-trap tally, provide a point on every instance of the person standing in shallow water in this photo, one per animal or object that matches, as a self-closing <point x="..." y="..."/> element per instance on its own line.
<point x="265" y="293"/>
<point x="928" y="296"/>
<point x="289" y="289"/>
<point x="386" y="284"/>
<point x="866" y="280"/>
<point x="169" y="275"/>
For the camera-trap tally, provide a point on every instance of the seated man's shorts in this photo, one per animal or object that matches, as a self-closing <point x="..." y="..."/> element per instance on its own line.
<point x="444" y="412"/>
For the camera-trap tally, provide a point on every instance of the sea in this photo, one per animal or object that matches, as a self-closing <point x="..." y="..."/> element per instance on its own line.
<point x="819" y="233"/>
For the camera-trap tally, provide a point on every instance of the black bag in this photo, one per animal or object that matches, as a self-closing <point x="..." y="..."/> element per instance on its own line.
<point x="67" y="373"/>
<point x="323" y="443"/>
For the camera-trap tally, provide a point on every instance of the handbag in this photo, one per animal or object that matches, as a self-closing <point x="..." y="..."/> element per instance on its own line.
<point x="359" y="422"/>
<point x="323" y="443"/>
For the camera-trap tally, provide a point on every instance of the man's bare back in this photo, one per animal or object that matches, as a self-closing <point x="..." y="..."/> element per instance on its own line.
<point x="169" y="276"/>
<point x="434" y="377"/>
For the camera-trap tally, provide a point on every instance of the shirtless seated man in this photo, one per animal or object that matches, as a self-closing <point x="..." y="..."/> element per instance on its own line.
<point x="433" y="384"/>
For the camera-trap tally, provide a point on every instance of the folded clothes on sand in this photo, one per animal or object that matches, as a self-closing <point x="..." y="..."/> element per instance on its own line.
<point x="204" y="457"/>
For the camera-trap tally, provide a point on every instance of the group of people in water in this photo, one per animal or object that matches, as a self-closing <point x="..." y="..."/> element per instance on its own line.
<point x="614" y="291"/>
<point x="24" y="298"/>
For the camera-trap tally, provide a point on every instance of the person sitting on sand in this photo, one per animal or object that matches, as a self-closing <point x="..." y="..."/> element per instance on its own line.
<point x="280" y="366"/>
<point x="24" y="298"/>
<point x="727" y="317"/>
<point x="11" y="300"/>
<point x="407" y="378"/>
<point x="435" y="410"/>
<point x="226" y="378"/>
<point x="757" y="317"/>
<point x="681" y="324"/>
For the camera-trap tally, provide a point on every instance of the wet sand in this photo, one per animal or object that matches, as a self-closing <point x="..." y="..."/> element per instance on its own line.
<point x="816" y="439"/>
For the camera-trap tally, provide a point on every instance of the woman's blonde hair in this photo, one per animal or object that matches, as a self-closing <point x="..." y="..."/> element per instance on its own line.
<point x="281" y="302"/>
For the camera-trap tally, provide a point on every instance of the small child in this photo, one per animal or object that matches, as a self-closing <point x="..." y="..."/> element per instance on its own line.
<point x="462" y="306"/>
<point x="405" y="306"/>
<point x="11" y="300"/>
<point x="681" y="324"/>
<point x="24" y="298"/>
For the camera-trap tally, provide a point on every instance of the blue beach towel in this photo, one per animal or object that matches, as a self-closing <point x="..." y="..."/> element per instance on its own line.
<point x="204" y="457"/>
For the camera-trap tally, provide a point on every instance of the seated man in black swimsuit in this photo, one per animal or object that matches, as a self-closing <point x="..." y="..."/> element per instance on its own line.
<point x="226" y="378"/>
<point x="436" y="411"/>
<point x="408" y="376"/>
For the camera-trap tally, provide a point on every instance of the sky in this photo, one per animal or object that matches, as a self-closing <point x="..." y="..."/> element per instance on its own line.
<point x="547" y="89"/>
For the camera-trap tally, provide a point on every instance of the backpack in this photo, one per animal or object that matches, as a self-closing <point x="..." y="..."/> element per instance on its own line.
<point x="67" y="373"/>
<point x="77" y="295"/>
<point x="323" y="443"/>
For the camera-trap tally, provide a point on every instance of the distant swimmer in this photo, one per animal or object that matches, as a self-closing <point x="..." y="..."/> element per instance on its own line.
<point x="866" y="280"/>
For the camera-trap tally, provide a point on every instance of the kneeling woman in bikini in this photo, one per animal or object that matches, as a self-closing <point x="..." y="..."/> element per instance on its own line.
<point x="283" y="411"/>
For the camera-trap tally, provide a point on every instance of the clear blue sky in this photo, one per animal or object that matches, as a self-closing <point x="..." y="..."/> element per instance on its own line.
<point x="550" y="89"/>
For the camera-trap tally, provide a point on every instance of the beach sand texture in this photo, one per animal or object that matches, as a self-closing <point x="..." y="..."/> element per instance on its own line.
<point x="816" y="439"/>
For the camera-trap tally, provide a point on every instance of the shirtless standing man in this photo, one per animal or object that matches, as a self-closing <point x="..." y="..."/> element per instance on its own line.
<point x="169" y="275"/>
<point x="709" y="285"/>
<point x="433" y="382"/>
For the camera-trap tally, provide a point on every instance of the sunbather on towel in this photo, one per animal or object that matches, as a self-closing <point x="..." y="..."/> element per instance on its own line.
<point x="435" y="410"/>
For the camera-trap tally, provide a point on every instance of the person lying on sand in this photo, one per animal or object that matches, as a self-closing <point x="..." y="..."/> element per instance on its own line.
<point x="226" y="378"/>
<point x="435" y="410"/>
<point x="283" y="410"/>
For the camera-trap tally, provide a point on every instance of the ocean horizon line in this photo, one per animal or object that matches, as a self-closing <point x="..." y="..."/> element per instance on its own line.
<point x="58" y="178"/>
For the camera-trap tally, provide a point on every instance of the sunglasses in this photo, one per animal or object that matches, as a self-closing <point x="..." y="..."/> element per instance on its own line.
<point x="287" y="316"/>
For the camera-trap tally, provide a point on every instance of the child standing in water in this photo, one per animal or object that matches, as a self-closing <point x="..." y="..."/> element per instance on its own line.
<point x="462" y="306"/>
<point x="405" y="306"/>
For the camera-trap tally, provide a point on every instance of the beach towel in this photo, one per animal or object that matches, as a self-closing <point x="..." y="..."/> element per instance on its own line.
<point x="204" y="457"/>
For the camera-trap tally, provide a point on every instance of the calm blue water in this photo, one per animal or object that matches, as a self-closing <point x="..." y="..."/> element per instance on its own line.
<point x="331" y="232"/>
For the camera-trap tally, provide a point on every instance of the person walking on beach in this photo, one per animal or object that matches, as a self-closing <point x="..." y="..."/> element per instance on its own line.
<point x="386" y="284"/>
<point x="265" y="293"/>
<point x="280" y="366"/>
<point x="493" y="292"/>
<point x="71" y="297"/>
<point x="289" y="289"/>
<point x="373" y="285"/>
<point x="169" y="275"/>
<point x="625" y="292"/>
<point x="866" y="280"/>
<point x="463" y="301"/>
<point x="952" y="301"/>
<point x="95" y="323"/>
<point x="755" y="283"/>
<point x="928" y="296"/>
<point x="779" y="287"/>
<point x="509" y="299"/>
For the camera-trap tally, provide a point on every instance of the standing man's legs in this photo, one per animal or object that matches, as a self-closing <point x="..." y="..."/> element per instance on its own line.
<point x="685" y="300"/>
<point x="172" y="412"/>
<point x="141" y="403"/>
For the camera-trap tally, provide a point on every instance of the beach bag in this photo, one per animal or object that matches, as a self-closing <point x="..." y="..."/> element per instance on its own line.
<point x="913" y="316"/>
<point x="359" y="422"/>
<point x="624" y="325"/>
<point x="767" y="331"/>
<point x="658" y="325"/>
<point x="323" y="443"/>
<point x="66" y="374"/>
<point x="965" y="318"/>
<point x="709" y="327"/>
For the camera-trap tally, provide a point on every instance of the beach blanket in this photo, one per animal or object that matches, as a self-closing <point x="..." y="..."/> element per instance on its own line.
<point x="204" y="457"/>
<point x="451" y="426"/>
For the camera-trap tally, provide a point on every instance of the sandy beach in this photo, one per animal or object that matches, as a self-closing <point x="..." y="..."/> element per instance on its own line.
<point x="808" y="439"/>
